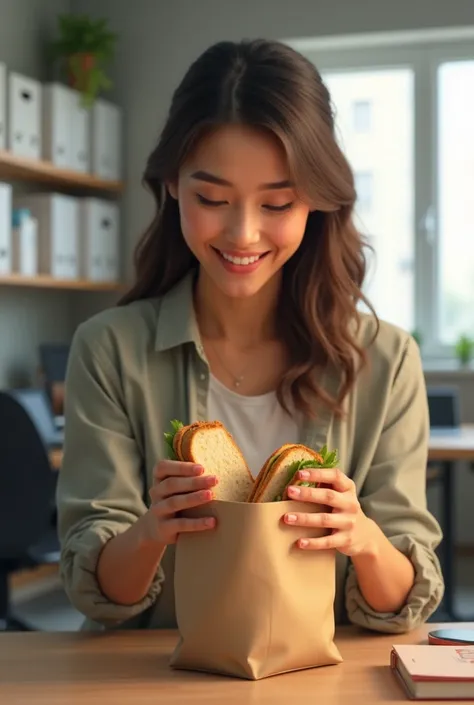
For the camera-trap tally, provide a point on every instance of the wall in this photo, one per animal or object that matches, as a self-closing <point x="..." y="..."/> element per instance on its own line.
<point x="28" y="317"/>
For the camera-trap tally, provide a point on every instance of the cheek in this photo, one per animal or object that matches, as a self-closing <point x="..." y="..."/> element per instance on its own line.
<point x="197" y="223"/>
<point x="287" y="234"/>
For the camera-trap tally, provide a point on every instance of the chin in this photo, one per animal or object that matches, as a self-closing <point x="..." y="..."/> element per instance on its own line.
<point x="239" y="290"/>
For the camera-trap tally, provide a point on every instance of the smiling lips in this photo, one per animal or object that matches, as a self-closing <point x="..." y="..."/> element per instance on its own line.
<point x="242" y="261"/>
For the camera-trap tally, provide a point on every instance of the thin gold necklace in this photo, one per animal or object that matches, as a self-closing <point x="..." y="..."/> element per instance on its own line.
<point x="237" y="379"/>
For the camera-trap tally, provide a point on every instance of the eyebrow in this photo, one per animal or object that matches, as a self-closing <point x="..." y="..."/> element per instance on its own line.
<point x="218" y="181"/>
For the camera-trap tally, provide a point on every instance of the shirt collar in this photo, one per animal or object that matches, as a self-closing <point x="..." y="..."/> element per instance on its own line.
<point x="177" y="322"/>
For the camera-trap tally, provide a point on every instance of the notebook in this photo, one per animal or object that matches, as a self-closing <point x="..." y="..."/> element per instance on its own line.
<point x="430" y="672"/>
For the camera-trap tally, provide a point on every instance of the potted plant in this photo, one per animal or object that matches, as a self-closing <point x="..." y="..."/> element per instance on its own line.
<point x="83" y="46"/>
<point x="464" y="349"/>
<point x="417" y="337"/>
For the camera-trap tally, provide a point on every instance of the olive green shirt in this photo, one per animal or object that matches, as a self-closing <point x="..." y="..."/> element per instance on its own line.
<point x="134" y="368"/>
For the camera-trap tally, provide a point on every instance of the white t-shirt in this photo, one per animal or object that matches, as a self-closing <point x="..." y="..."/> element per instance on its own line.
<point x="258" y="424"/>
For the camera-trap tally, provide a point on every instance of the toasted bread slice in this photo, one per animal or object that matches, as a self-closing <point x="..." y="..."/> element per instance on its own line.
<point x="210" y="444"/>
<point x="260" y="479"/>
<point x="178" y="438"/>
<point x="281" y="472"/>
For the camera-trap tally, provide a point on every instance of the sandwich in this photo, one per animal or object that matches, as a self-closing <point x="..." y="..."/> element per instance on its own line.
<point x="209" y="444"/>
<point x="278" y="472"/>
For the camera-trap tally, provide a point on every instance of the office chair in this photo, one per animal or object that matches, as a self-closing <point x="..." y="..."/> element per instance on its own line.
<point x="27" y="537"/>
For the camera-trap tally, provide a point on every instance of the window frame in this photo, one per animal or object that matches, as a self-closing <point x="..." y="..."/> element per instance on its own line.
<point x="422" y="51"/>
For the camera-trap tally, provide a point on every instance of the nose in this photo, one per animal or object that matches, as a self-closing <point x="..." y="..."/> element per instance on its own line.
<point x="243" y="229"/>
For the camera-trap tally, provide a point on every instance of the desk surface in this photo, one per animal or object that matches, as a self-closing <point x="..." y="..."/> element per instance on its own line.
<point x="131" y="668"/>
<point x="442" y="447"/>
<point x="459" y="446"/>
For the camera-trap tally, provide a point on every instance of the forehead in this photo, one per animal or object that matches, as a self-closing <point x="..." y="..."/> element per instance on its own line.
<point x="239" y="152"/>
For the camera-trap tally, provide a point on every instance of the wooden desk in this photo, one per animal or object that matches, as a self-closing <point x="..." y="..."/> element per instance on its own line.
<point x="447" y="447"/>
<point x="131" y="668"/>
<point x="56" y="458"/>
<point x="453" y="447"/>
<point x="447" y="450"/>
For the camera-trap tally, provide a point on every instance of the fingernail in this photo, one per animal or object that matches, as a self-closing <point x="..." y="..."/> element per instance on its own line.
<point x="209" y="522"/>
<point x="303" y="474"/>
<point x="291" y="518"/>
<point x="207" y="494"/>
<point x="198" y="469"/>
<point x="303" y="543"/>
<point x="295" y="491"/>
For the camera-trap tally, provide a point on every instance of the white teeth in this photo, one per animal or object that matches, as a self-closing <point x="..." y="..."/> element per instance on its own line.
<point x="240" y="260"/>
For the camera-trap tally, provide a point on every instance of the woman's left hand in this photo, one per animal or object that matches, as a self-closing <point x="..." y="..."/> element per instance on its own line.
<point x="351" y="531"/>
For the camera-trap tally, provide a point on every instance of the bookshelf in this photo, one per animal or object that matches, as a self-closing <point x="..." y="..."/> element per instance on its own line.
<point x="14" y="168"/>
<point x="44" y="281"/>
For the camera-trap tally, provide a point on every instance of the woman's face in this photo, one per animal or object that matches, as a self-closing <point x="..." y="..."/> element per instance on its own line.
<point x="240" y="214"/>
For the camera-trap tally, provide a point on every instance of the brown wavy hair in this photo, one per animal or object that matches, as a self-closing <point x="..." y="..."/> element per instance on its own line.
<point x="267" y="84"/>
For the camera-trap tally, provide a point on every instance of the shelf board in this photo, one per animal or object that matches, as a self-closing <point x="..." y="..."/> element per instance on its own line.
<point x="44" y="281"/>
<point x="38" y="171"/>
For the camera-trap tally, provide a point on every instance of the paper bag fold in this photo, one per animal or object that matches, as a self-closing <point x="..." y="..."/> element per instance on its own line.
<point x="249" y="603"/>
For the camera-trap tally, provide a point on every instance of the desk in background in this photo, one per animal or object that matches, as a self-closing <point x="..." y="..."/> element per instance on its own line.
<point x="447" y="450"/>
<point x="56" y="458"/>
<point x="129" y="667"/>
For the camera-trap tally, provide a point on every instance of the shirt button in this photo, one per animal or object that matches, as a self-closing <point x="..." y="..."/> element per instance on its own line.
<point x="203" y="376"/>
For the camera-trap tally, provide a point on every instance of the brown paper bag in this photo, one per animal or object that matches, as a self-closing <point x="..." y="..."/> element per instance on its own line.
<point x="249" y="603"/>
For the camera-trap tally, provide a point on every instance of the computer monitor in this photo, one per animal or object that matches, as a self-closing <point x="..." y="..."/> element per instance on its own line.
<point x="36" y="404"/>
<point x="444" y="409"/>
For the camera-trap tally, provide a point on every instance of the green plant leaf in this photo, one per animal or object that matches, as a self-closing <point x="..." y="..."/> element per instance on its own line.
<point x="169" y="438"/>
<point x="79" y="36"/>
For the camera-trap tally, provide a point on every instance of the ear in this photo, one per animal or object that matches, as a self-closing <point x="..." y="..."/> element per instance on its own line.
<point x="172" y="187"/>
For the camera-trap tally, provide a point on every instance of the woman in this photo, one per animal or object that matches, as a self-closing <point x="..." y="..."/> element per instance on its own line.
<point x="245" y="309"/>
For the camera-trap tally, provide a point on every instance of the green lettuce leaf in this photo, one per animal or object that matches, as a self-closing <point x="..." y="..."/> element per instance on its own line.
<point x="330" y="460"/>
<point x="169" y="437"/>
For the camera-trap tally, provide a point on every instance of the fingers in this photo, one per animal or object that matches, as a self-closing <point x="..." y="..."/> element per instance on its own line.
<point x="178" y="502"/>
<point x="333" y="476"/>
<point x="323" y="520"/>
<point x="340" y="501"/>
<point x="181" y="485"/>
<point x="181" y="525"/>
<point x="174" y="468"/>
<point x="341" y="540"/>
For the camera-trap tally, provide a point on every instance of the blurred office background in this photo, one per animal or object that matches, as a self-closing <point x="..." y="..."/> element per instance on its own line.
<point x="72" y="207"/>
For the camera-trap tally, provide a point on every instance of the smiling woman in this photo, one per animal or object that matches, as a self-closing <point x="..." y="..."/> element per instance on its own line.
<point x="245" y="310"/>
<point x="239" y="211"/>
<point x="249" y="180"/>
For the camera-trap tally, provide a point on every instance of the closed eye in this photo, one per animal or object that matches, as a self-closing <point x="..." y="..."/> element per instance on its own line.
<point x="279" y="209"/>
<point x="208" y="202"/>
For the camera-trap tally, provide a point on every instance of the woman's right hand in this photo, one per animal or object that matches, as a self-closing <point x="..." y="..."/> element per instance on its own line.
<point x="177" y="486"/>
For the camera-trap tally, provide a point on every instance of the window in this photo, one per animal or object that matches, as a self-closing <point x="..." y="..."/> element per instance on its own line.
<point x="382" y="162"/>
<point x="362" y="115"/>
<point x="364" y="182"/>
<point x="404" y="111"/>
<point x="455" y="199"/>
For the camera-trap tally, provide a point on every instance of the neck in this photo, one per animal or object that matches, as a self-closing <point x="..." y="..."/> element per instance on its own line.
<point x="245" y="322"/>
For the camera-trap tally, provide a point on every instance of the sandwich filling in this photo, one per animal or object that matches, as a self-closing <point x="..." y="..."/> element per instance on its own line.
<point x="328" y="460"/>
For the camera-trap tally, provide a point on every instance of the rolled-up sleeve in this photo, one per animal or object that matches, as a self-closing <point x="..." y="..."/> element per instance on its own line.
<point x="394" y="496"/>
<point x="101" y="483"/>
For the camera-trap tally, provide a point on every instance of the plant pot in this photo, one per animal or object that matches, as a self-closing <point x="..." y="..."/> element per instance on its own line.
<point x="79" y="68"/>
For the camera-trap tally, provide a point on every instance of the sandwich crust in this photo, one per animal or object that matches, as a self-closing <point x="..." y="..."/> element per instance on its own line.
<point x="276" y="480"/>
